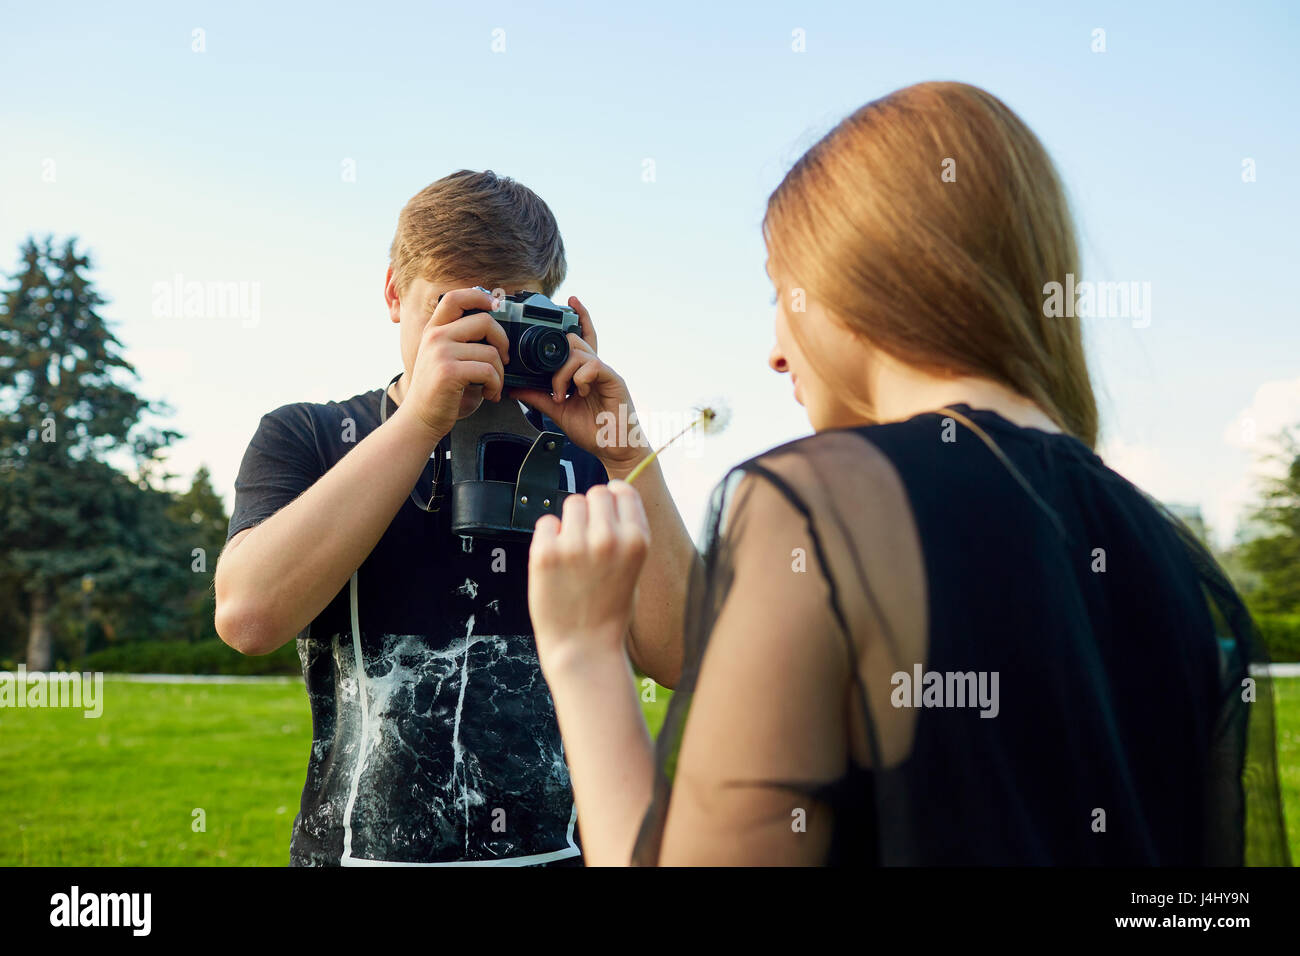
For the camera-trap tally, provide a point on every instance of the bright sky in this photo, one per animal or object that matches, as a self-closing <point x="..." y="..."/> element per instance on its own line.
<point x="233" y="164"/>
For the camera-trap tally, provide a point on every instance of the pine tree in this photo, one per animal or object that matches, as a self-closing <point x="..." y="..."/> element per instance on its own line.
<point x="201" y="521"/>
<point x="67" y="410"/>
<point x="1275" y="557"/>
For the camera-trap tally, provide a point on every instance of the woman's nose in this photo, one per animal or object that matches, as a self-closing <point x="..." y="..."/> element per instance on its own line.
<point x="776" y="361"/>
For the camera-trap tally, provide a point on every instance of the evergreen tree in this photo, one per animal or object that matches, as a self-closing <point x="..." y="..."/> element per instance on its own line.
<point x="1275" y="558"/>
<point x="201" y="522"/>
<point x="67" y="409"/>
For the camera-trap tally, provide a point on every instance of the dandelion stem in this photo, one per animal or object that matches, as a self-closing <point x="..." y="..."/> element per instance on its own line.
<point x="645" y="462"/>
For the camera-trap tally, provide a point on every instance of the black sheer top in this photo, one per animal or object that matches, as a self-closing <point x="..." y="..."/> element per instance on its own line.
<point x="953" y="640"/>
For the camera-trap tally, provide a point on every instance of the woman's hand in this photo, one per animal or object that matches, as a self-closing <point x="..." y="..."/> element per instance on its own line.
<point x="582" y="573"/>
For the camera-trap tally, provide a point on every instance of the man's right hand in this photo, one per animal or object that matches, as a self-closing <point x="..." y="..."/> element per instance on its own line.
<point x="458" y="353"/>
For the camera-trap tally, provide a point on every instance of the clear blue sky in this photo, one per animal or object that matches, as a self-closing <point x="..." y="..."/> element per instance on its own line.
<point x="226" y="165"/>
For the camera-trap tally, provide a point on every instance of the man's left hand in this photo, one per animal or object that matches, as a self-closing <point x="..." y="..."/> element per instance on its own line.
<point x="597" y="389"/>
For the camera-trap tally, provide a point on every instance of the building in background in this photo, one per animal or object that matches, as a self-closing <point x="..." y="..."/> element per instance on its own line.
<point x="1190" y="515"/>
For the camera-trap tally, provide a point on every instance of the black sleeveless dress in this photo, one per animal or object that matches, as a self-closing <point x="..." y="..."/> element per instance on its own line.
<point x="1045" y="667"/>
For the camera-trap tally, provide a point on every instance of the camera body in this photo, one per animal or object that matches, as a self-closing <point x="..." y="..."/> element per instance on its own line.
<point x="538" y="330"/>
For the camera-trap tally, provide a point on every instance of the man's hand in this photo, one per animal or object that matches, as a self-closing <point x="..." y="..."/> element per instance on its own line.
<point x="597" y="389"/>
<point x="590" y="418"/>
<point x="453" y="356"/>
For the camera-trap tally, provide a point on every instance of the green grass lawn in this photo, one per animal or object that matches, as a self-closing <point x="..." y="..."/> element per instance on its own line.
<point x="122" y="789"/>
<point x="1287" y="690"/>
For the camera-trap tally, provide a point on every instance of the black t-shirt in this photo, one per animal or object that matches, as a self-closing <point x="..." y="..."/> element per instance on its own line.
<point x="434" y="738"/>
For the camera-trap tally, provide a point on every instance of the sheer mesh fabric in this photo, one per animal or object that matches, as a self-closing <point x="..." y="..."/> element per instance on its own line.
<point x="1116" y="732"/>
<point x="775" y="716"/>
<point x="1244" y="820"/>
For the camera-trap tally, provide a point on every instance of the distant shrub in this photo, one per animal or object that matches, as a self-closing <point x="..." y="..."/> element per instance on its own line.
<point x="181" y="657"/>
<point x="1281" y="635"/>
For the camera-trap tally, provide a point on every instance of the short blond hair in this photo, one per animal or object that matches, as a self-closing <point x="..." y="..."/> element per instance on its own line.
<point x="477" y="226"/>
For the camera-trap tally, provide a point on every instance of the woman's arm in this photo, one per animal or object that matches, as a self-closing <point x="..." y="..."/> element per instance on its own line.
<point x="768" y="718"/>
<point x="582" y="582"/>
<point x="607" y="747"/>
<point x="769" y="708"/>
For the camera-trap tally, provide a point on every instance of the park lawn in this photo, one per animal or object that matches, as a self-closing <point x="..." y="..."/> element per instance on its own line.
<point x="1287" y="707"/>
<point x="121" y="790"/>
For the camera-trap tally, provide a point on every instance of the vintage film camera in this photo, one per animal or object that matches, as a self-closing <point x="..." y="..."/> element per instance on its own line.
<point x="506" y="473"/>
<point x="538" y="330"/>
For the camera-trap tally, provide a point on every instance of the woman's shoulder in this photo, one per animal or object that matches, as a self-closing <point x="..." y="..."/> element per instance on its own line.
<point x="813" y="460"/>
<point x="859" y="456"/>
<point x="835" y="476"/>
<point x="932" y="471"/>
<point x="933" y="446"/>
<point x="932" y="461"/>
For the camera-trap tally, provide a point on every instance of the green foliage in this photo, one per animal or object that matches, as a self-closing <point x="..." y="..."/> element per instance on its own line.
<point x="92" y="551"/>
<point x="177" y="657"/>
<point x="199" y="517"/>
<point x="1281" y="635"/>
<point x="1274" y="558"/>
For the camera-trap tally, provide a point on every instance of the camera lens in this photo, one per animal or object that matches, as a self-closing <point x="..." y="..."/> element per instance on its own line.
<point x="542" y="349"/>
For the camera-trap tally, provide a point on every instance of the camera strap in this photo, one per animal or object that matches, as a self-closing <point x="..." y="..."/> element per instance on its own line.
<point x="438" y="453"/>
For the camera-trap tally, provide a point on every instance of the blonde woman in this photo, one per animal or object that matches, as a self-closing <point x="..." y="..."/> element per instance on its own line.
<point x="939" y="630"/>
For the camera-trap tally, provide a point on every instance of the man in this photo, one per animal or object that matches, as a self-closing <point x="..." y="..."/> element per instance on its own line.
<point x="434" y="734"/>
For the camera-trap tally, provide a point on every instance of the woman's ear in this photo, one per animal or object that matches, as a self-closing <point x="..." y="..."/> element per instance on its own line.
<point x="391" y="298"/>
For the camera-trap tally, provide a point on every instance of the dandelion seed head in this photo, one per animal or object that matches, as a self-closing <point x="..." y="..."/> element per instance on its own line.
<point x="713" y="415"/>
<point x="710" y="418"/>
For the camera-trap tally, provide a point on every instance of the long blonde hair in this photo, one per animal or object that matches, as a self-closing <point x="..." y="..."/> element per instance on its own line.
<point x="928" y="222"/>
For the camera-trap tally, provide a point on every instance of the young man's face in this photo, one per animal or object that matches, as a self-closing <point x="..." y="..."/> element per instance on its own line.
<point x="413" y="307"/>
